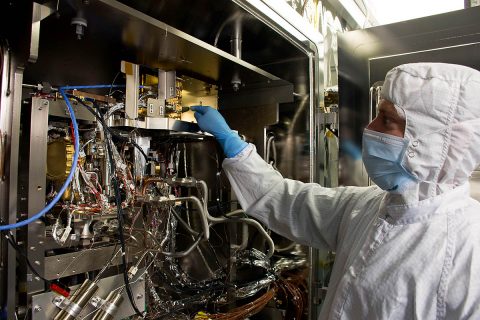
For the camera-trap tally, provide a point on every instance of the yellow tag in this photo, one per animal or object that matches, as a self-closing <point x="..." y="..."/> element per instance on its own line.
<point x="201" y="316"/>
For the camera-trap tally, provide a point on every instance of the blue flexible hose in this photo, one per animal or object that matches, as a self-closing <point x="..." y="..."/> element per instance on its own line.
<point x="99" y="86"/>
<point x="42" y="212"/>
<point x="92" y="87"/>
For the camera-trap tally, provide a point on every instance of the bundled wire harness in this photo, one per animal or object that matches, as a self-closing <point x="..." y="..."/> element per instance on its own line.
<point x="136" y="194"/>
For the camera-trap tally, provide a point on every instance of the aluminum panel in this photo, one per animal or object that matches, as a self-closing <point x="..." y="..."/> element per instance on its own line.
<point x="68" y="264"/>
<point x="155" y="41"/>
<point x="36" y="189"/>
<point x="58" y="108"/>
<point x="156" y="124"/>
<point x="132" y="75"/>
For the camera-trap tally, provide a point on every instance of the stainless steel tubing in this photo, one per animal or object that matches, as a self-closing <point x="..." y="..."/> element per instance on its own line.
<point x="79" y="300"/>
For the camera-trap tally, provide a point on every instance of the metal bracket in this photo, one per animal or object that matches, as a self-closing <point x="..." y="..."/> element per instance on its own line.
<point x="40" y="12"/>
<point x="155" y="107"/>
<point x="104" y="305"/>
<point x="3" y="154"/>
<point x="61" y="302"/>
<point x="97" y="302"/>
<point x="70" y="307"/>
<point x="132" y="73"/>
<point x="166" y="84"/>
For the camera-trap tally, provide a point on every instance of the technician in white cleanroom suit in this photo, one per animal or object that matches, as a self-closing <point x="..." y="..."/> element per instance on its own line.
<point x="409" y="248"/>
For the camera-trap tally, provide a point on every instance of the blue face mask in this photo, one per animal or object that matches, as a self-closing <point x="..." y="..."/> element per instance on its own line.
<point x="382" y="156"/>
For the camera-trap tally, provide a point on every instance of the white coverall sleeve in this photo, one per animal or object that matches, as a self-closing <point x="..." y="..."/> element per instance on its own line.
<point x="306" y="213"/>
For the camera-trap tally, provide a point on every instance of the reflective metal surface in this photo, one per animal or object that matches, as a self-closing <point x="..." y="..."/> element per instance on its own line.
<point x="68" y="264"/>
<point x="214" y="22"/>
<point x="59" y="108"/>
<point x="157" y="124"/>
<point x="40" y="12"/>
<point x="10" y="106"/>
<point x="36" y="190"/>
<point x="159" y="42"/>
<point x="48" y="309"/>
<point x="142" y="40"/>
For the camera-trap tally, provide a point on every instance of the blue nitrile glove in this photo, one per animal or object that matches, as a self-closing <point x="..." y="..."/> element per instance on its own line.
<point x="211" y="121"/>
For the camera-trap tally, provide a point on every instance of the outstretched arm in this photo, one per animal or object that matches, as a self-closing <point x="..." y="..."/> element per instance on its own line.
<point x="304" y="212"/>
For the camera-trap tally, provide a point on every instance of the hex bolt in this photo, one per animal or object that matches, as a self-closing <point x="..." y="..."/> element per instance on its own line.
<point x="37" y="308"/>
<point x="95" y="301"/>
<point x="44" y="104"/>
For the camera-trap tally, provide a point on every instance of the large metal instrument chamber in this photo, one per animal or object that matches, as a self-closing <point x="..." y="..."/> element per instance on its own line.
<point x="144" y="223"/>
<point x="365" y="56"/>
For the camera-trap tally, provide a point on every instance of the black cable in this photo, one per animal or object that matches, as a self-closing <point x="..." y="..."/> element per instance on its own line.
<point x="113" y="133"/>
<point x="118" y="202"/>
<point x="99" y="117"/>
<point x="107" y="128"/>
<point x="13" y="243"/>
<point x="133" y="143"/>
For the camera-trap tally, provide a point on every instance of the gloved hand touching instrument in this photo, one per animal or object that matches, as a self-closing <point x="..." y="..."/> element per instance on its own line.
<point x="211" y="121"/>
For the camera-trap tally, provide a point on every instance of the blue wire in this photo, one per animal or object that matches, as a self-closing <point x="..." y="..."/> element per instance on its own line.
<point x="42" y="212"/>
<point x="92" y="87"/>
<point x="99" y="86"/>
<point x="60" y="193"/>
